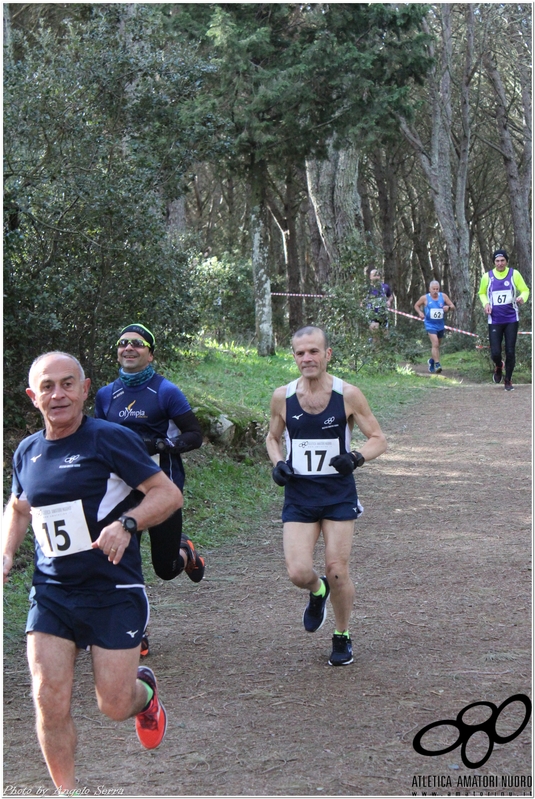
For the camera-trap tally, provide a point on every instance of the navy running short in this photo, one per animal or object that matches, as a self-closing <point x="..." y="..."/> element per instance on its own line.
<point x="109" y="619"/>
<point x="341" y="512"/>
<point x="438" y="333"/>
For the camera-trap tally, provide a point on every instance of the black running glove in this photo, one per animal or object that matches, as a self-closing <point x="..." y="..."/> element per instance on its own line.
<point x="156" y="445"/>
<point x="345" y="464"/>
<point x="150" y="443"/>
<point x="170" y="444"/>
<point x="282" y="473"/>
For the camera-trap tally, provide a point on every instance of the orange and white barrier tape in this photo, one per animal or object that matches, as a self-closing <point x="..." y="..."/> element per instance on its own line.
<point x="400" y="313"/>
<point x="447" y="327"/>
<point x="286" y="294"/>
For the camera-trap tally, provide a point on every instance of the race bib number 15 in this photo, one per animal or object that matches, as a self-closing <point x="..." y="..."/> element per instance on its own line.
<point x="61" y="529"/>
<point x="311" y="457"/>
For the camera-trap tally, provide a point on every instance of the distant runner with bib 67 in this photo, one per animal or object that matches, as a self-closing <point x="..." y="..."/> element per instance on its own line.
<point x="501" y="291"/>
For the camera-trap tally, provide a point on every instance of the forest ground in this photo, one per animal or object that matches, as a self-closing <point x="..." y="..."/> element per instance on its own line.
<point x="441" y="562"/>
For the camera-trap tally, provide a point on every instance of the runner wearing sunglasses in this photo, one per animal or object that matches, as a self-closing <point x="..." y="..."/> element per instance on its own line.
<point x="159" y="412"/>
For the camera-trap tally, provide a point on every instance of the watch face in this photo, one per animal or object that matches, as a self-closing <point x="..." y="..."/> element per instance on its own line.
<point x="129" y="524"/>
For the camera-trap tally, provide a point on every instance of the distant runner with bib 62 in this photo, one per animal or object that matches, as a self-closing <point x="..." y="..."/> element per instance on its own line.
<point x="435" y="305"/>
<point x="316" y="414"/>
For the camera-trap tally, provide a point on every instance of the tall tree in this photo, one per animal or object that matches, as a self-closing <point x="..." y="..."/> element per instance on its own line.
<point x="510" y="79"/>
<point x="289" y="77"/>
<point x="333" y="190"/>
<point x="97" y="135"/>
<point x="444" y="156"/>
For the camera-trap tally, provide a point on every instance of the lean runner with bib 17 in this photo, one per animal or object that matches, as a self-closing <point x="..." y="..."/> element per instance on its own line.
<point x="316" y="414"/>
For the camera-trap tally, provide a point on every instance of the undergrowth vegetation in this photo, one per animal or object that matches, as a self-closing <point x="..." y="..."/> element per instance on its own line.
<point x="226" y="488"/>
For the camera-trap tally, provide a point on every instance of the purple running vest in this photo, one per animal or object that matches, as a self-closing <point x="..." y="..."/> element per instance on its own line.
<point x="501" y="293"/>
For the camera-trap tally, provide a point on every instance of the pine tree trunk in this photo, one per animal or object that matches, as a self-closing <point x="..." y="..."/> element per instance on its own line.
<point x="446" y="170"/>
<point x="518" y="188"/>
<point x="8" y="40"/>
<point x="287" y="223"/>
<point x="386" y="180"/>
<point x="332" y="188"/>
<point x="260" y="260"/>
<point x="291" y="209"/>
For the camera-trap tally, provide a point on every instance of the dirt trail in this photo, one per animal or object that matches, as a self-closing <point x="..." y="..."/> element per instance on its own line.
<point x="441" y="620"/>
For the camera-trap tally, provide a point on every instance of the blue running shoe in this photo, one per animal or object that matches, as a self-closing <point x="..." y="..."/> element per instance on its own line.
<point x="316" y="610"/>
<point x="431" y="365"/>
<point x="342" y="654"/>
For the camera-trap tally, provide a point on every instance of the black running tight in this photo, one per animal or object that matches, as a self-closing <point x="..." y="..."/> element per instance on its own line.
<point x="165" y="541"/>
<point x="497" y="333"/>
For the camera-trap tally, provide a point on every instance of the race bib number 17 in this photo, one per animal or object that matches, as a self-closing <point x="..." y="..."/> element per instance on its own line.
<point x="311" y="457"/>
<point x="61" y="529"/>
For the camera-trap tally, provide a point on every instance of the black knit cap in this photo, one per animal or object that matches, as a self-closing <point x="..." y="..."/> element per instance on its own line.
<point x="142" y="331"/>
<point x="500" y="252"/>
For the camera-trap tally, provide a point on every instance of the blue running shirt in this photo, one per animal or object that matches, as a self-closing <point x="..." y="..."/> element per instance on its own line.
<point x="76" y="486"/>
<point x="434" y="314"/>
<point x="149" y="410"/>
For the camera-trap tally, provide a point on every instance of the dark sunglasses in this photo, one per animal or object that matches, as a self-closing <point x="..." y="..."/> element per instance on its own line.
<point x="137" y="343"/>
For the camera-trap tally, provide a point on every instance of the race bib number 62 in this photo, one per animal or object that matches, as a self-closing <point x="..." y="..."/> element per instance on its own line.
<point x="61" y="529"/>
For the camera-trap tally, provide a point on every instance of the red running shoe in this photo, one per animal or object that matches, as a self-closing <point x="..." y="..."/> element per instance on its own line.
<point x="195" y="567"/>
<point x="151" y="723"/>
<point x="145" y="650"/>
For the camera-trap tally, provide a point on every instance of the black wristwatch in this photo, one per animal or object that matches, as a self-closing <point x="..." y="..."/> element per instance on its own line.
<point x="129" y="524"/>
<point x="358" y="458"/>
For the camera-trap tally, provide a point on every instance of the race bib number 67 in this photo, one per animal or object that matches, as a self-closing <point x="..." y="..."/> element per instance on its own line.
<point x="311" y="457"/>
<point x="61" y="529"/>
<point x="503" y="297"/>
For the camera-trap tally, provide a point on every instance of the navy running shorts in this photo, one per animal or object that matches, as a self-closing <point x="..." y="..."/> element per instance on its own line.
<point x="341" y="512"/>
<point x="110" y="619"/>
<point x="438" y="333"/>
